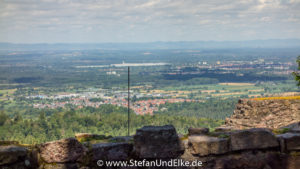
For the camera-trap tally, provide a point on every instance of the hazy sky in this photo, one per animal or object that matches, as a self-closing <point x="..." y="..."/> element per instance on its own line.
<point x="50" y="21"/>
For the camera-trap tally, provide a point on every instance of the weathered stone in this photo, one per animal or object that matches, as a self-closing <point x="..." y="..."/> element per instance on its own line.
<point x="223" y="129"/>
<point x="289" y="141"/>
<point x="82" y="137"/>
<point x="157" y="142"/>
<point x="61" y="166"/>
<point x="121" y="139"/>
<point x="293" y="128"/>
<point x="198" y="131"/>
<point x="249" y="160"/>
<point x="6" y="143"/>
<point x="253" y="139"/>
<point x="291" y="162"/>
<point x="61" y="151"/>
<point x="183" y="141"/>
<point x="205" y="145"/>
<point x="250" y="113"/>
<point x="111" y="151"/>
<point x="23" y="162"/>
<point x="11" y="154"/>
<point x="281" y="143"/>
<point x="18" y="165"/>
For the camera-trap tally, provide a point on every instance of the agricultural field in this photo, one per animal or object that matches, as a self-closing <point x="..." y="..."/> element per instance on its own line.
<point x="240" y="90"/>
<point x="49" y="95"/>
<point x="7" y="94"/>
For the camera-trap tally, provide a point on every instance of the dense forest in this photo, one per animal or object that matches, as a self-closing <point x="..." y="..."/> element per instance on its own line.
<point x="212" y="108"/>
<point x="106" y="120"/>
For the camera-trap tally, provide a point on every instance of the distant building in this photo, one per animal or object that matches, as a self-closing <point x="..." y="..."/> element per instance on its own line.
<point x="111" y="73"/>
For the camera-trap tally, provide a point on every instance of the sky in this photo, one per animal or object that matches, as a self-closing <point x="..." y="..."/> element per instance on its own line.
<point x="98" y="21"/>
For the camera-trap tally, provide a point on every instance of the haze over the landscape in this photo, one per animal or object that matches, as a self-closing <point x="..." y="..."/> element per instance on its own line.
<point x="98" y="21"/>
<point x="86" y="83"/>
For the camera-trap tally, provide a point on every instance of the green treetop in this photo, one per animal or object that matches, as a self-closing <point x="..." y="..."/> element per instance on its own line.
<point x="297" y="74"/>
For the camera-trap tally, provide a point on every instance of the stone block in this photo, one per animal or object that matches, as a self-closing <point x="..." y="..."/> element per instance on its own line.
<point x="253" y="139"/>
<point x="61" y="151"/>
<point x="198" y="131"/>
<point x="111" y="151"/>
<point x="11" y="154"/>
<point x="157" y="142"/>
<point x="205" y="145"/>
<point x="289" y="141"/>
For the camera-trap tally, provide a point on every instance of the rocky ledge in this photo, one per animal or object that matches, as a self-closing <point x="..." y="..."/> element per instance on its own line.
<point x="276" y="113"/>
<point x="257" y="148"/>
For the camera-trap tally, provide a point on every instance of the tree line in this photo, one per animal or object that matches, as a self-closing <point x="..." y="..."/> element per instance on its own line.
<point x="106" y="120"/>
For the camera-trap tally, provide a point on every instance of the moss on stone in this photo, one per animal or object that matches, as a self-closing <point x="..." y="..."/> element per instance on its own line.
<point x="295" y="153"/>
<point x="94" y="138"/>
<point x="280" y="131"/>
<point x="7" y="143"/>
<point x="184" y="137"/>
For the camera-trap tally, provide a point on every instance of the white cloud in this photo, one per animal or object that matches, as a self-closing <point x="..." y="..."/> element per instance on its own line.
<point x="146" y="20"/>
<point x="265" y="19"/>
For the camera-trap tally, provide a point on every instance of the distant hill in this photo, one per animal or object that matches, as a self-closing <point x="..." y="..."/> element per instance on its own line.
<point x="272" y="43"/>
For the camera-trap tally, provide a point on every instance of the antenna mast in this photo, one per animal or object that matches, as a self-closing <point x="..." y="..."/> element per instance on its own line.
<point x="128" y="105"/>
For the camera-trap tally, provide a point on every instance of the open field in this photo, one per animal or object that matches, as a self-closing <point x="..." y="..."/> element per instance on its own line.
<point x="229" y="94"/>
<point x="6" y="93"/>
<point x="237" y="84"/>
<point x="279" y="98"/>
<point x="227" y="90"/>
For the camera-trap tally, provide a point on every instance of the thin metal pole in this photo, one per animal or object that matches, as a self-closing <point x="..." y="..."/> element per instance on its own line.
<point x="128" y="106"/>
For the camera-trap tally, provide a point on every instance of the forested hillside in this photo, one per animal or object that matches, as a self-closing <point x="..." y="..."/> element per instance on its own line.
<point x="212" y="108"/>
<point x="106" y="120"/>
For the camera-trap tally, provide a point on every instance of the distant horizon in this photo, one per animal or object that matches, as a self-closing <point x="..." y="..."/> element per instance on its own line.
<point x="137" y="42"/>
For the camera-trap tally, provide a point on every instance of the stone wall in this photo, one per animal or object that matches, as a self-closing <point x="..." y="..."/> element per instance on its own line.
<point x="276" y="113"/>
<point x="255" y="148"/>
